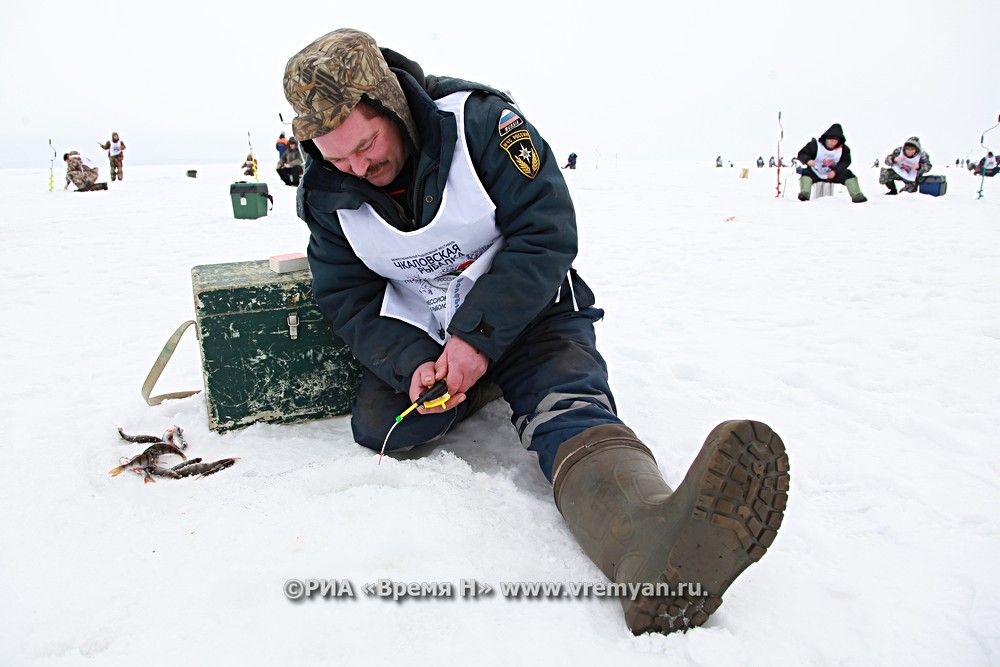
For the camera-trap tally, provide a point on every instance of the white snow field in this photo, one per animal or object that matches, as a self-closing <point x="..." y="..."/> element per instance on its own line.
<point x="866" y="335"/>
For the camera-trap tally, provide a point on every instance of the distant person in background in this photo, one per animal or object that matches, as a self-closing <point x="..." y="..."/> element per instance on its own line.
<point x="876" y="163"/>
<point x="290" y="164"/>
<point x="571" y="161"/>
<point x="281" y="145"/>
<point x="250" y="166"/>
<point x="82" y="173"/>
<point x="772" y="163"/>
<point x="988" y="166"/>
<point x="827" y="160"/>
<point x="760" y="162"/>
<point x="718" y="161"/>
<point x="116" y="155"/>
<point x="907" y="164"/>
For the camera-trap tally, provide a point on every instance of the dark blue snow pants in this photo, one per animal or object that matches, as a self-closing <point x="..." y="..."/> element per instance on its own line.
<point x="553" y="377"/>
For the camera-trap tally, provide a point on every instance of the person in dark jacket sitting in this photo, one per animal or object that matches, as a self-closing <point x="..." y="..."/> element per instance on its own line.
<point x="827" y="160"/>
<point x="988" y="166"/>
<point x="476" y="289"/>
<point x="290" y="163"/>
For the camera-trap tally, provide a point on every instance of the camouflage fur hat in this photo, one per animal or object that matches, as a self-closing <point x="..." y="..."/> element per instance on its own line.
<point x="326" y="80"/>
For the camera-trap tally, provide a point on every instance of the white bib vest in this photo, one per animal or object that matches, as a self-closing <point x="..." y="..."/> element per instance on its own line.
<point x="907" y="166"/>
<point x="825" y="159"/>
<point x="991" y="163"/>
<point x="431" y="270"/>
<point x="116" y="148"/>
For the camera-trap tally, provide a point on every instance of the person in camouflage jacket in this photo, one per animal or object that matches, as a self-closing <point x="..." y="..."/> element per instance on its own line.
<point x="907" y="164"/>
<point x="116" y="156"/>
<point x="80" y="173"/>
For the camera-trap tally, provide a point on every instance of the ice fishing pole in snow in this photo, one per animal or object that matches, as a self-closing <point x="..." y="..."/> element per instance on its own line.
<point x="982" y="142"/>
<point x="781" y="136"/>
<point x="253" y="159"/>
<point x="52" y="167"/>
<point x="433" y="397"/>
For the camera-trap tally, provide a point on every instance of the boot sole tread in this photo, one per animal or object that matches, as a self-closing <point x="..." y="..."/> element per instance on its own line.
<point x="742" y="494"/>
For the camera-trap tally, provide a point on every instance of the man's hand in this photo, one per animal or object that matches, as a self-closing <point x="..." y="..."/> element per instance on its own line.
<point x="460" y="365"/>
<point x="898" y="159"/>
<point x="831" y="175"/>
<point x="423" y="378"/>
<point x="811" y="163"/>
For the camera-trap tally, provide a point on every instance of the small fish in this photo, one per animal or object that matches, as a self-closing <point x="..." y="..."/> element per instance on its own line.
<point x="186" y="463"/>
<point x="138" y="438"/>
<point x="205" y="469"/>
<point x="148" y="458"/>
<point x="161" y="472"/>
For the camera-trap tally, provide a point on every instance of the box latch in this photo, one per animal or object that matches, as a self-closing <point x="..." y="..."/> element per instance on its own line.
<point x="293" y="325"/>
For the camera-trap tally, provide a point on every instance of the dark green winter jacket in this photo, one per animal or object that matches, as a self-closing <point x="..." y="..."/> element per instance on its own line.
<point x="535" y="217"/>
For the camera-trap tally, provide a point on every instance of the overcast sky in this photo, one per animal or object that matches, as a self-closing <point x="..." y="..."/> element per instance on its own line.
<point x="185" y="81"/>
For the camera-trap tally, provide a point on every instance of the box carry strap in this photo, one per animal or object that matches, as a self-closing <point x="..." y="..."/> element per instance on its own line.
<point x="160" y="364"/>
<point x="270" y="199"/>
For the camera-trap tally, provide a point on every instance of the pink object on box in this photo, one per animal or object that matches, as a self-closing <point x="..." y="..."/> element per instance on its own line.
<point x="294" y="261"/>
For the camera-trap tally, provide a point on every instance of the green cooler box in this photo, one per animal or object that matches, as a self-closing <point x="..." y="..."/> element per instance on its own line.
<point x="249" y="200"/>
<point x="268" y="354"/>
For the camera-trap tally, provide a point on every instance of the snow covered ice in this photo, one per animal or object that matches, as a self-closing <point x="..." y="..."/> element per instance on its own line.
<point x="866" y="335"/>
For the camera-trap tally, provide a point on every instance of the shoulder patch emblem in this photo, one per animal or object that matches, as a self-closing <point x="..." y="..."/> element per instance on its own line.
<point x="515" y="139"/>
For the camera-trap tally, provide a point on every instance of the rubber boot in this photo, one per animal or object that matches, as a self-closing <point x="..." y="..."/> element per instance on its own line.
<point x="805" y="188"/>
<point x="892" y="188"/>
<point x="854" y="189"/>
<point x="722" y="517"/>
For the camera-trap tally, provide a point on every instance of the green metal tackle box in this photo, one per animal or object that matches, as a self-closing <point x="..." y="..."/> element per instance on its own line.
<point x="249" y="200"/>
<point x="268" y="354"/>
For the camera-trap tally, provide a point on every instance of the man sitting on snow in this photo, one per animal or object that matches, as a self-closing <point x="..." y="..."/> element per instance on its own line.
<point x="290" y="163"/>
<point x="827" y="160"/>
<point x="908" y="164"/>
<point x="477" y="289"/>
<point x="82" y="173"/>
<point x="987" y="166"/>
